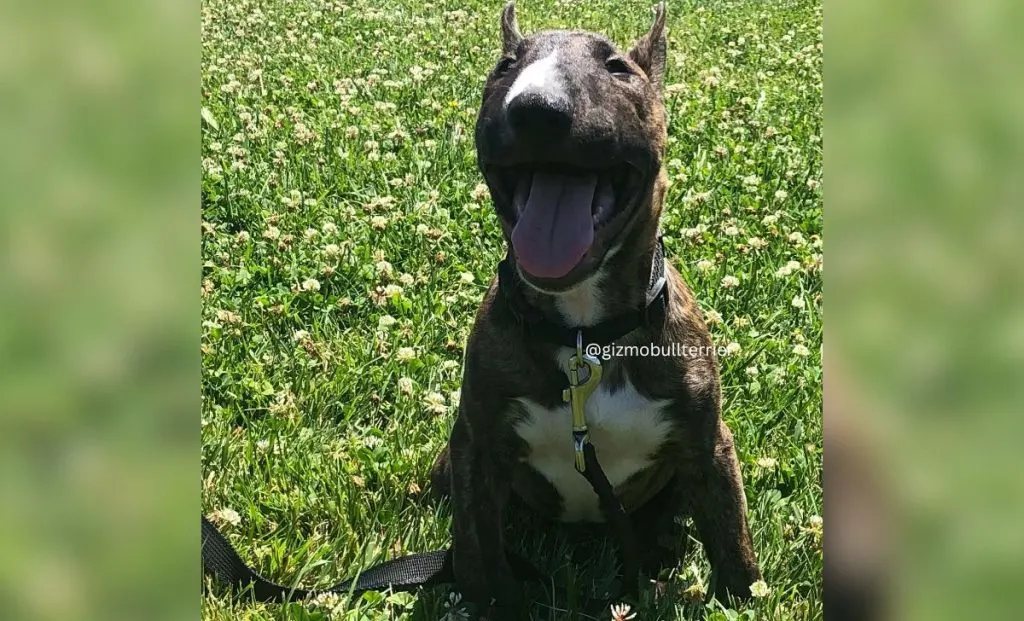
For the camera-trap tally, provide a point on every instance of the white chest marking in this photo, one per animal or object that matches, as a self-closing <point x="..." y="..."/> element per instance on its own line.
<point x="581" y="305"/>
<point x="625" y="428"/>
<point x="537" y="76"/>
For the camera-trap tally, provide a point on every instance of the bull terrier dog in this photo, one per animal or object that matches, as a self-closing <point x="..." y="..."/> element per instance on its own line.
<point x="570" y="139"/>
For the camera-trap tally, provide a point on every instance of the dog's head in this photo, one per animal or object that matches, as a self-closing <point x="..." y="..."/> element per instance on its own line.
<point x="570" y="139"/>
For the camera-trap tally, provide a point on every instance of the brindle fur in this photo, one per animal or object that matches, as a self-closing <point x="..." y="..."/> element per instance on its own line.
<point x="695" y="472"/>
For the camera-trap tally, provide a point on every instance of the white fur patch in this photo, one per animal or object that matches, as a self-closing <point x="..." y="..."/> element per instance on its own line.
<point x="581" y="305"/>
<point x="626" y="429"/>
<point x="537" y="76"/>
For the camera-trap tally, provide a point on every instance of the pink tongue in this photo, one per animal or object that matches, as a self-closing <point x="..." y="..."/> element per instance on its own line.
<point x="555" y="227"/>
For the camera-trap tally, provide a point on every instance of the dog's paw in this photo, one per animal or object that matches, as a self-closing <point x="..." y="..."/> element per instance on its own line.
<point x="735" y="583"/>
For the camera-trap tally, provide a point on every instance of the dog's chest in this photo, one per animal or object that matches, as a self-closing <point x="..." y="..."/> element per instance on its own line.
<point x="626" y="430"/>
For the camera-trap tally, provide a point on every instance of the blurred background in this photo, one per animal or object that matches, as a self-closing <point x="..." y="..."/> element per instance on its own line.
<point x="99" y="300"/>
<point x="925" y="326"/>
<point x="99" y="307"/>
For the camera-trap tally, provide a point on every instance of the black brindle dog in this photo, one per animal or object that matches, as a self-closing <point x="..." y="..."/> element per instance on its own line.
<point x="570" y="139"/>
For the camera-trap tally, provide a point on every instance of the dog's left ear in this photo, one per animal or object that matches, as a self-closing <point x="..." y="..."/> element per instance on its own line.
<point x="649" y="51"/>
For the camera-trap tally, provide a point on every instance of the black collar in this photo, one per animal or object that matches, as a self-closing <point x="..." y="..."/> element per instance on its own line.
<point x="538" y="327"/>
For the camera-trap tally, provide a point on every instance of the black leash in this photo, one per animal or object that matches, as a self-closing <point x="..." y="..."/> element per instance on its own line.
<point x="409" y="573"/>
<point x="615" y="516"/>
<point x="222" y="562"/>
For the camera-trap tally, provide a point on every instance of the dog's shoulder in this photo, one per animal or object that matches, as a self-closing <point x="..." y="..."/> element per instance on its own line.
<point x="689" y="376"/>
<point x="501" y="363"/>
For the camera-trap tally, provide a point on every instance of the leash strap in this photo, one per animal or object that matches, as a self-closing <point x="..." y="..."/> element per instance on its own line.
<point x="408" y="573"/>
<point x="615" y="516"/>
<point x="221" y="560"/>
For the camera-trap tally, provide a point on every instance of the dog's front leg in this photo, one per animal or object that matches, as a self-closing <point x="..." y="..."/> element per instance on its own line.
<point x="480" y="489"/>
<point x="719" y="512"/>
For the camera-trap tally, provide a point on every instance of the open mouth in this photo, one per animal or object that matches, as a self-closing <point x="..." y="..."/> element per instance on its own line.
<point x="559" y="210"/>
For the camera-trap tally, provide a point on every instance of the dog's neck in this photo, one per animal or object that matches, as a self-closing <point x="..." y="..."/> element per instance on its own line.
<point x="619" y="286"/>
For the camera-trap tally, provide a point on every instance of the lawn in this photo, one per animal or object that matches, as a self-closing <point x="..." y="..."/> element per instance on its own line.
<point x="347" y="242"/>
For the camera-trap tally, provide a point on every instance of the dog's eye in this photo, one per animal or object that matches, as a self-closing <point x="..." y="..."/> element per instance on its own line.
<point x="505" y="65"/>
<point x="618" y="67"/>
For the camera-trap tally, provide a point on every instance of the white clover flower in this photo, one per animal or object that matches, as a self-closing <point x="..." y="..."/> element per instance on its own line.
<point x="622" y="612"/>
<point x="801" y="350"/>
<point x="480" y="192"/>
<point x="729" y="282"/>
<point x="405" y="385"/>
<point x="787" y="269"/>
<point x="759" y="589"/>
<point x="435" y="403"/>
<point x="226" y="516"/>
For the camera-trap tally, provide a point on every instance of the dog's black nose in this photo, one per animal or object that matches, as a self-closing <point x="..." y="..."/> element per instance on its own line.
<point x="539" y="114"/>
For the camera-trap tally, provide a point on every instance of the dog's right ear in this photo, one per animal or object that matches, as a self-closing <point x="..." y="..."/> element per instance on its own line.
<point x="510" y="29"/>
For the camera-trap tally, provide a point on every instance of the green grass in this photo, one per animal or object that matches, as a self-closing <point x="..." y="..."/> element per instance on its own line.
<point x="346" y="246"/>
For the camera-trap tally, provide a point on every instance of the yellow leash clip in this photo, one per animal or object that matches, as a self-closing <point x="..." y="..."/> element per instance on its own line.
<point x="576" y="396"/>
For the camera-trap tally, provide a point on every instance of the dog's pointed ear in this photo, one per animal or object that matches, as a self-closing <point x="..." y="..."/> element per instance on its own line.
<point x="649" y="52"/>
<point x="510" y="29"/>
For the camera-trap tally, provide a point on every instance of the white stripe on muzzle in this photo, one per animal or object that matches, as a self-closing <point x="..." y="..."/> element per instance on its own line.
<point x="537" y="77"/>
